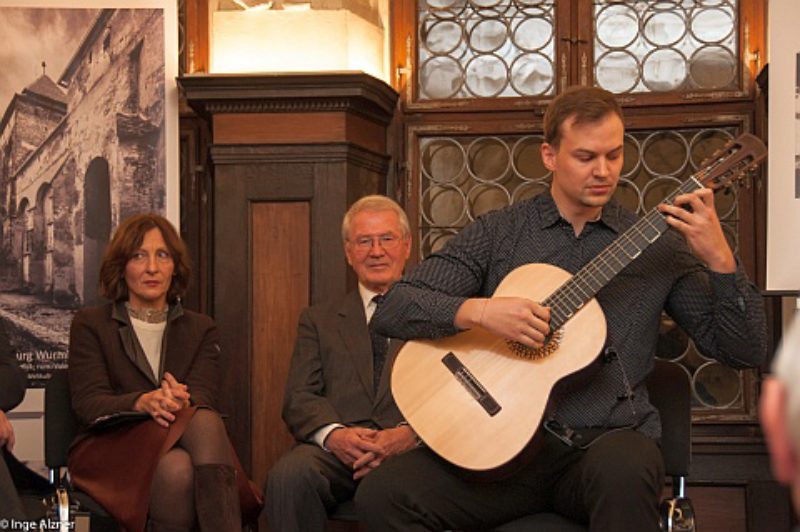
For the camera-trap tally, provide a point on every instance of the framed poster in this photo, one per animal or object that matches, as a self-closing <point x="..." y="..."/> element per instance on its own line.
<point x="783" y="202"/>
<point x="88" y="137"/>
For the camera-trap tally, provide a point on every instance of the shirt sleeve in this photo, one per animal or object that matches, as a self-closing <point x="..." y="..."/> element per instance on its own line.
<point x="424" y="303"/>
<point x="722" y="312"/>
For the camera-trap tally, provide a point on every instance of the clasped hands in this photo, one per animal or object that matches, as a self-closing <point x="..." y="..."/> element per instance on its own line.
<point x="162" y="402"/>
<point x="364" y="449"/>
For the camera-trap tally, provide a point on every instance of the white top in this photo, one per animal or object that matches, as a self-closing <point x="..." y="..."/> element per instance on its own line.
<point x="151" y="336"/>
<point x="369" y="309"/>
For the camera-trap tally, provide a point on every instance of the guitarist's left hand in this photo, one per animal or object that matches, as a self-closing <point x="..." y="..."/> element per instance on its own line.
<point x="392" y="441"/>
<point x="695" y="217"/>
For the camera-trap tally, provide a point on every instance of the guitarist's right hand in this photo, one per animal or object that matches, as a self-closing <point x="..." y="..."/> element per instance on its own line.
<point x="351" y="443"/>
<point x="512" y="318"/>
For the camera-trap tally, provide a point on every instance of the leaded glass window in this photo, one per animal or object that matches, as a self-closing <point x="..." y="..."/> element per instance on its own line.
<point x="665" y="45"/>
<point x="485" y="48"/>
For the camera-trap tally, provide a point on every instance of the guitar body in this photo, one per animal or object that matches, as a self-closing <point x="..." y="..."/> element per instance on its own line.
<point x="451" y="420"/>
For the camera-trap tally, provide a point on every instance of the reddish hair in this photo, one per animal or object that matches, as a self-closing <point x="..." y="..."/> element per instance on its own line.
<point x="127" y="239"/>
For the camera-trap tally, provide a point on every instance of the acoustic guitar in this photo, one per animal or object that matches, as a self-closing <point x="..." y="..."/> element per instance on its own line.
<point x="477" y="400"/>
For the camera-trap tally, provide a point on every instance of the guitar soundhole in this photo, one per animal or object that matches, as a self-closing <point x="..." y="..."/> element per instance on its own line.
<point x="549" y="347"/>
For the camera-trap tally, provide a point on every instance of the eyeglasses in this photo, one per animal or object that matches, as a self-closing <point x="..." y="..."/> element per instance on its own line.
<point x="387" y="241"/>
<point x="162" y="256"/>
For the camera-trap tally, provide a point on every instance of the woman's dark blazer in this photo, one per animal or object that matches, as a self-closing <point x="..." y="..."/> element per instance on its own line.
<point x="108" y="369"/>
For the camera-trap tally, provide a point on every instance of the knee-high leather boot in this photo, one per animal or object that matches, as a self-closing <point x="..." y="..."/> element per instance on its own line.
<point x="216" y="498"/>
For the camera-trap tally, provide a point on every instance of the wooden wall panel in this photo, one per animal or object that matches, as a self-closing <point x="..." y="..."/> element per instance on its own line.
<point x="298" y="128"/>
<point x="280" y="255"/>
<point x="719" y="509"/>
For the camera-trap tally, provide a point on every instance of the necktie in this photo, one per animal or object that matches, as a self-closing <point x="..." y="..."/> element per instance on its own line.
<point x="380" y="346"/>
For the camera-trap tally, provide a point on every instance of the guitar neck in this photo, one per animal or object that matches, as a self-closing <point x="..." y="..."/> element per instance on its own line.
<point x="585" y="284"/>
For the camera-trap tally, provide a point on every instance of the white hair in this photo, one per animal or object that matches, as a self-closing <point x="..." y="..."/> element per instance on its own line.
<point x="375" y="203"/>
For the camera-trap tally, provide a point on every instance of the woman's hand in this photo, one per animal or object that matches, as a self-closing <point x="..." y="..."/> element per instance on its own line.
<point x="161" y="403"/>
<point x="176" y="390"/>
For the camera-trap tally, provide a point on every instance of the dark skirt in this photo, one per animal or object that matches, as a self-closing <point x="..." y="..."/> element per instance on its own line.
<point x="116" y="467"/>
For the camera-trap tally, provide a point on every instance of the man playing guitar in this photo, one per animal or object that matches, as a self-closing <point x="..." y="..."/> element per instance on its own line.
<point x="599" y="463"/>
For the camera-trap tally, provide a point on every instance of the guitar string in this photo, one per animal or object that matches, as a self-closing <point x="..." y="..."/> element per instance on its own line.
<point x="569" y="294"/>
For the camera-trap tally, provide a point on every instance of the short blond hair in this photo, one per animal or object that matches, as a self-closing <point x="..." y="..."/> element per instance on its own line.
<point x="375" y="203"/>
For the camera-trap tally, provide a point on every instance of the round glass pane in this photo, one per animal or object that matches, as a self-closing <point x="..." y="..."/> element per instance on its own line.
<point x="488" y="35"/>
<point x="526" y="158"/>
<point x="446" y="8"/>
<point x="664" y="69"/>
<point x="617" y="25"/>
<point x="656" y="190"/>
<point x="528" y="190"/>
<point x="663" y="5"/>
<point x="443" y="205"/>
<point x="665" y="153"/>
<point x="443" y="160"/>
<point x="532" y="74"/>
<point x="435" y="240"/>
<point x="483" y="4"/>
<point x="542" y="4"/>
<point x="488" y="159"/>
<point x="712" y="25"/>
<point x="627" y="194"/>
<point x="672" y="343"/>
<point x="442" y="37"/>
<point x="487" y="75"/>
<point x="532" y="34"/>
<point x="617" y="71"/>
<point x="725" y="201"/>
<point x="486" y="197"/>
<point x="713" y="67"/>
<point x="445" y="4"/>
<point x="441" y="77"/>
<point x="630" y="156"/>
<point x="664" y="28"/>
<point x="705" y="143"/>
<point x="490" y="7"/>
<point x="716" y="386"/>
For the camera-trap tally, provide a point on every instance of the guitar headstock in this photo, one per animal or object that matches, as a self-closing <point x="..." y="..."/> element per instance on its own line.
<point x="737" y="159"/>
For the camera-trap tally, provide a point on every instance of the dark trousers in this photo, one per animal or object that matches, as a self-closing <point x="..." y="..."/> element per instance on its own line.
<point x="303" y="486"/>
<point x="613" y="485"/>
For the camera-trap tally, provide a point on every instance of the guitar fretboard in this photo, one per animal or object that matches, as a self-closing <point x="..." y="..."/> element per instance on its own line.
<point x="585" y="284"/>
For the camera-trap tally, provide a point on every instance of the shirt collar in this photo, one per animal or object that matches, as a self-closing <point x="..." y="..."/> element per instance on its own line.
<point x="119" y="313"/>
<point x="366" y="299"/>
<point x="549" y="214"/>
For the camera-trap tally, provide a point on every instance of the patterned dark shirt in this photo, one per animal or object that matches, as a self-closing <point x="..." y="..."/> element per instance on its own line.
<point x="723" y="313"/>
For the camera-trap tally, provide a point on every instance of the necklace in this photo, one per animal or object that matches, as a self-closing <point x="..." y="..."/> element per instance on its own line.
<point x="149" y="315"/>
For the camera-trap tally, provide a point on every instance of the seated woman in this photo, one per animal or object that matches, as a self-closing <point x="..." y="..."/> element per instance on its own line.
<point x="173" y="466"/>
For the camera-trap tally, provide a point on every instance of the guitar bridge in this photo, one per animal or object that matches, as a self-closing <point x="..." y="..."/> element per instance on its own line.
<point x="473" y="386"/>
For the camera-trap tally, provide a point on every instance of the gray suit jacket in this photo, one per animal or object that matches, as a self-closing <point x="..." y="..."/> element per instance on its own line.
<point x="330" y="377"/>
